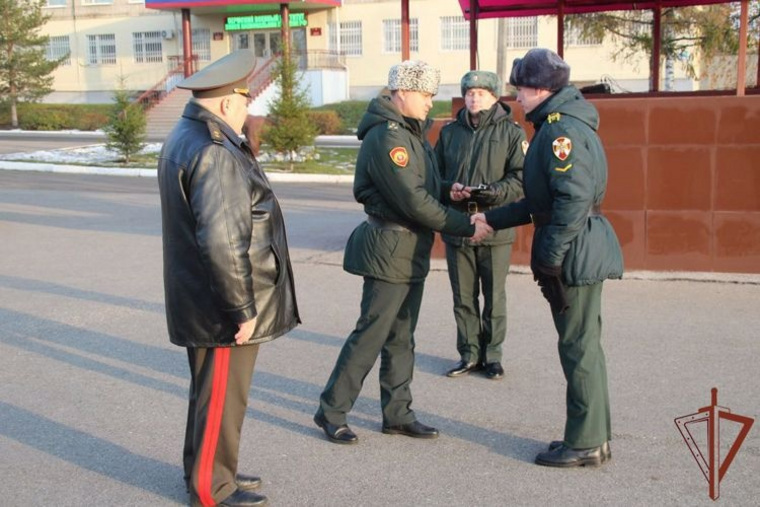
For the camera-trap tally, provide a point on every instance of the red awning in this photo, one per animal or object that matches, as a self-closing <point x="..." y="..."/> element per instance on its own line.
<point x="515" y="8"/>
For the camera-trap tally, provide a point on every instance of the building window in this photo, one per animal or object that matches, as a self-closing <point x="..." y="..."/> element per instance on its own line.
<point x="202" y="44"/>
<point x="522" y="32"/>
<point x="392" y="35"/>
<point x="455" y="33"/>
<point x="58" y="47"/>
<point x="101" y="49"/>
<point x="55" y="3"/>
<point x="574" y="37"/>
<point x="350" y="38"/>
<point x="147" y="47"/>
<point x="96" y="2"/>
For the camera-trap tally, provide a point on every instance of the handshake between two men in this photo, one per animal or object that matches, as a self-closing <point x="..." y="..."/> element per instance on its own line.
<point x="549" y="278"/>
<point x="460" y="192"/>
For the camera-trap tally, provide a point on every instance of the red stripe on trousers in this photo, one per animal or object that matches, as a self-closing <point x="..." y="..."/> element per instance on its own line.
<point x="213" y="424"/>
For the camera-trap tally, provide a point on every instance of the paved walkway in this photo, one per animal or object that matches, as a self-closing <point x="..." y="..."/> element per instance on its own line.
<point x="93" y="395"/>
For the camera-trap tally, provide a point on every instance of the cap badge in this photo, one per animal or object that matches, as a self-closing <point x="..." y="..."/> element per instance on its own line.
<point x="562" y="146"/>
<point x="399" y="156"/>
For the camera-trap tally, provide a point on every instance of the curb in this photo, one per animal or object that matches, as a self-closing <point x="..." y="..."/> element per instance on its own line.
<point x="75" y="169"/>
<point x="46" y="133"/>
<point x="151" y="173"/>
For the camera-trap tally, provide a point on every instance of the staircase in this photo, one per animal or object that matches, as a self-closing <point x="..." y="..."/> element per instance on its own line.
<point x="164" y="109"/>
<point x="164" y="115"/>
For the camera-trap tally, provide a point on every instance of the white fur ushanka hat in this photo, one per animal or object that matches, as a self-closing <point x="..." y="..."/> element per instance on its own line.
<point x="414" y="75"/>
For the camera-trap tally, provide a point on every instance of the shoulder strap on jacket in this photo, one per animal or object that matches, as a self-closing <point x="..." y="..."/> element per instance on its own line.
<point x="215" y="132"/>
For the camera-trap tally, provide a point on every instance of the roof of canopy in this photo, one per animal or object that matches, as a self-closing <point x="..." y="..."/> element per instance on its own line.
<point x="514" y="8"/>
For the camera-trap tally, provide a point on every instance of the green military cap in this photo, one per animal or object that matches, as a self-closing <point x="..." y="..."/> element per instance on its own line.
<point x="225" y="76"/>
<point x="481" y="79"/>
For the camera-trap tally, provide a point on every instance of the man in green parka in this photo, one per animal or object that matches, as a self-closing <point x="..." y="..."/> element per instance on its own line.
<point x="398" y="183"/>
<point x="574" y="246"/>
<point x="482" y="147"/>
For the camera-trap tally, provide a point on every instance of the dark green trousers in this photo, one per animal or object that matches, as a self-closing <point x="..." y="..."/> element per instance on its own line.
<point x="386" y="326"/>
<point x="220" y="379"/>
<point x="580" y="352"/>
<point x="473" y="269"/>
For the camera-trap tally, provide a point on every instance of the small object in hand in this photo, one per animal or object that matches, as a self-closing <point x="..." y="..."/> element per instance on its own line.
<point x="478" y="189"/>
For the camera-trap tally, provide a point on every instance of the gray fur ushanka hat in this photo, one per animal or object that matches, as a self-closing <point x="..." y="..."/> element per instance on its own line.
<point x="414" y="75"/>
<point x="540" y="68"/>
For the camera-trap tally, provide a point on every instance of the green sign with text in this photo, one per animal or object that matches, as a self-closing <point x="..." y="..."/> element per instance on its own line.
<point x="262" y="22"/>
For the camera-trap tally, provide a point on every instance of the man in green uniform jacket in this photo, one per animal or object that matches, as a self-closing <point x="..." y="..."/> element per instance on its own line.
<point x="398" y="183"/>
<point x="482" y="147"/>
<point x="574" y="246"/>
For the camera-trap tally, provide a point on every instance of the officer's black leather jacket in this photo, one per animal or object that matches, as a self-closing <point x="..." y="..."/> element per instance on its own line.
<point x="225" y="251"/>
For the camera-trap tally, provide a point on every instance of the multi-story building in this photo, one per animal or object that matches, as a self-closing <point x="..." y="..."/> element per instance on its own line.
<point x="347" y="46"/>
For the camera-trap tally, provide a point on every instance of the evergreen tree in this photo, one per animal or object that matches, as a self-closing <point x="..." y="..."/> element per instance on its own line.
<point x="126" y="125"/>
<point x="24" y="69"/>
<point x="289" y="125"/>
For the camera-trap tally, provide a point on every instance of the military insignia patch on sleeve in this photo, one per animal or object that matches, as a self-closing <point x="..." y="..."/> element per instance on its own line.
<point x="399" y="156"/>
<point x="524" y="146"/>
<point x="562" y="146"/>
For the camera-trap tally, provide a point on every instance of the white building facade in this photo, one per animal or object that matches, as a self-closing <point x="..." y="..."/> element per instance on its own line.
<point x="346" y="47"/>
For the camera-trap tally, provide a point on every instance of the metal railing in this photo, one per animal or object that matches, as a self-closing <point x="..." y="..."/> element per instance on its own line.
<point x="257" y="82"/>
<point x="261" y="77"/>
<point x="316" y="59"/>
<point x="157" y="92"/>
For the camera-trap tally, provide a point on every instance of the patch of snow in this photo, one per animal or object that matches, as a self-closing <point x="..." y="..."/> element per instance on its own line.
<point x="91" y="154"/>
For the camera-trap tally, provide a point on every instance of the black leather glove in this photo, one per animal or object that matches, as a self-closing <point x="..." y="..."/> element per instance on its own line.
<point x="488" y="196"/>
<point x="549" y="279"/>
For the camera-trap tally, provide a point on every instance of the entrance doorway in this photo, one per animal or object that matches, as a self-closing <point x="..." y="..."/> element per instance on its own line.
<point x="264" y="44"/>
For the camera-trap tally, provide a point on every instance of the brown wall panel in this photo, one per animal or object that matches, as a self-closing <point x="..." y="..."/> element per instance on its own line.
<point x="521" y="246"/>
<point x="439" y="248"/>
<point x="737" y="238"/>
<point x="626" y="183"/>
<point x="435" y="129"/>
<point x="739" y="120"/>
<point x="630" y="227"/>
<point x="679" y="178"/>
<point x="686" y="121"/>
<point x="622" y="123"/>
<point x="679" y="240"/>
<point x="520" y="256"/>
<point x="737" y="178"/>
<point x="684" y="181"/>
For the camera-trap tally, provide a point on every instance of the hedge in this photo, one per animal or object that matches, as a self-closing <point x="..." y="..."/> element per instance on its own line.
<point x="33" y="116"/>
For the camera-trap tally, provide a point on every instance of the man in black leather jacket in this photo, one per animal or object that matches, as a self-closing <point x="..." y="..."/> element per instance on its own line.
<point x="228" y="281"/>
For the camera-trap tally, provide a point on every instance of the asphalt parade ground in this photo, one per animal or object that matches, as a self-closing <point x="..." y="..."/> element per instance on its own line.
<point x="93" y="395"/>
